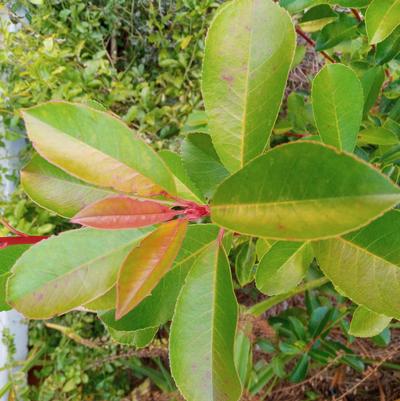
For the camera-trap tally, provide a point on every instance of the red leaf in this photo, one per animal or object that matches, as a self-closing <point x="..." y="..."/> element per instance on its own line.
<point x="146" y="265"/>
<point x="118" y="212"/>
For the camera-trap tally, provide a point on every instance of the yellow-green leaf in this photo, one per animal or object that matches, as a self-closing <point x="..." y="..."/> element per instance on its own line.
<point x="381" y="19"/>
<point x="55" y="190"/>
<point x="338" y="102"/>
<point x="283" y="266"/>
<point x="72" y="269"/>
<point x="366" y="323"/>
<point x="365" y="265"/>
<point x="249" y="51"/>
<point x="303" y="190"/>
<point x="96" y="147"/>
<point x="203" y="331"/>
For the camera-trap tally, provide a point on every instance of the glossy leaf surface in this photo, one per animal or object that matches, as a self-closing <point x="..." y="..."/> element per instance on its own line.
<point x="78" y="139"/>
<point x="366" y="323"/>
<point x="344" y="28"/>
<point x="138" y="338"/>
<point x="55" y="190"/>
<point x="185" y="187"/>
<point x="147" y="264"/>
<point x="389" y="48"/>
<point x="381" y="19"/>
<point x="249" y="50"/>
<point x="158" y="308"/>
<point x="202" y="163"/>
<point x="378" y="136"/>
<point x="244" y="263"/>
<point x="8" y="257"/>
<point x="303" y="190"/>
<point x="45" y="284"/>
<point x="119" y="212"/>
<point x="372" y="81"/>
<point x="283" y="266"/>
<point x="338" y="102"/>
<point x="365" y="265"/>
<point x="203" y="331"/>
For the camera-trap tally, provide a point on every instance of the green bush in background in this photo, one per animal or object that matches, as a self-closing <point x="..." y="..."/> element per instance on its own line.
<point x="140" y="59"/>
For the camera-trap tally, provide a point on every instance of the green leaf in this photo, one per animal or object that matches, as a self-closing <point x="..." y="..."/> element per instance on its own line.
<point x="185" y="187"/>
<point x="285" y="195"/>
<point x="158" y="308"/>
<point x="378" y="136"/>
<point x="299" y="372"/>
<point x="317" y="17"/>
<point x="262" y="247"/>
<point x="202" y="163"/>
<point x="77" y="139"/>
<point x="72" y="269"/>
<point x="55" y="190"/>
<point x="283" y="266"/>
<point x="8" y="257"/>
<point x="318" y="320"/>
<point x="249" y="51"/>
<point x="352" y="3"/>
<point x="138" y="338"/>
<point x="366" y="323"/>
<point x="244" y="263"/>
<point x="338" y="102"/>
<point x="371" y="80"/>
<point x="203" y="331"/>
<point x="243" y="357"/>
<point x="381" y="19"/>
<point x="389" y="48"/>
<point x="365" y="265"/>
<point x="344" y="28"/>
<point x="295" y="6"/>
<point x="104" y="302"/>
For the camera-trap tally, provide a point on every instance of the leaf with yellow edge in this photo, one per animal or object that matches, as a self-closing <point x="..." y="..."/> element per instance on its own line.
<point x="55" y="190"/>
<point x="147" y="264"/>
<point x="96" y="147"/>
<point x="249" y="50"/>
<point x="303" y="190"/>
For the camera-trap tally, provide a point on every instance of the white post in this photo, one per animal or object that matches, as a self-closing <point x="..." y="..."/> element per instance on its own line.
<point x="11" y="320"/>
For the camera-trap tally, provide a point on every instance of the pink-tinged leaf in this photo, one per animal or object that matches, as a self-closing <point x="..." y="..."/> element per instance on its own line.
<point x="119" y="212"/>
<point x="146" y="265"/>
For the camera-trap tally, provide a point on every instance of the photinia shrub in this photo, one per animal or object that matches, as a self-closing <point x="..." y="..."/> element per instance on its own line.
<point x="159" y="227"/>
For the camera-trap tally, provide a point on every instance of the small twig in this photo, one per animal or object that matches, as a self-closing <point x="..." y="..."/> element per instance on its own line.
<point x="312" y="43"/>
<point x="295" y="135"/>
<point x="11" y="228"/>
<point x="371" y="373"/>
<point x="357" y="14"/>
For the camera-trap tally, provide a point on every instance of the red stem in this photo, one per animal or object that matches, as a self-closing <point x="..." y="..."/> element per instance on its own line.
<point x="6" y="241"/>
<point x="312" y="43"/>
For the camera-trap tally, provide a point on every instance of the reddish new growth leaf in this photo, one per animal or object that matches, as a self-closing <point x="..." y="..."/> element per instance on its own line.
<point x="146" y="265"/>
<point x="119" y="212"/>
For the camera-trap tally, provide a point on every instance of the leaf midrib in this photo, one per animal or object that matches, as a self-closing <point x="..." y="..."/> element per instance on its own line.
<point x="287" y="202"/>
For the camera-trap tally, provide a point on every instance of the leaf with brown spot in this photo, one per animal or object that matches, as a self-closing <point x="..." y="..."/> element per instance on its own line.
<point x="146" y="265"/>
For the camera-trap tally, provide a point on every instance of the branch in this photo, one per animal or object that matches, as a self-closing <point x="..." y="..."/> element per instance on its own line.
<point x="357" y="14"/>
<point x="312" y="43"/>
